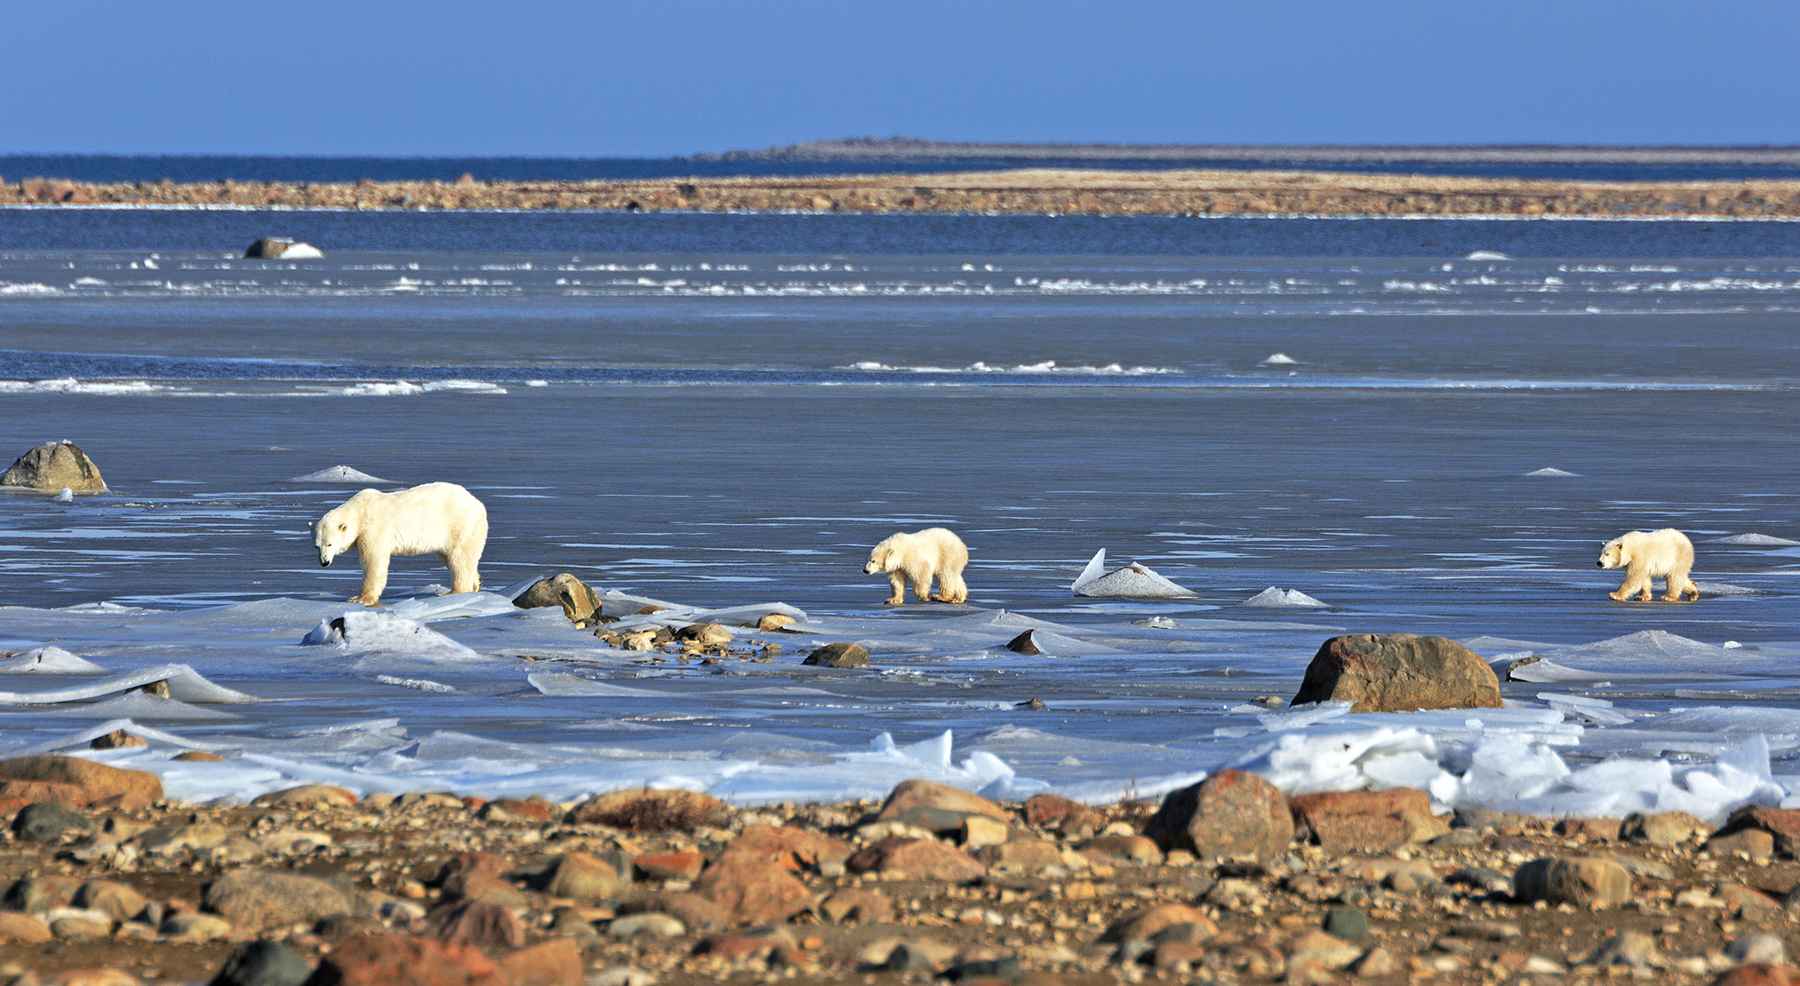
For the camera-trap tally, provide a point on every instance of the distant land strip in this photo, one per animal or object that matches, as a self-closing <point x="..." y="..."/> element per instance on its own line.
<point x="1024" y="191"/>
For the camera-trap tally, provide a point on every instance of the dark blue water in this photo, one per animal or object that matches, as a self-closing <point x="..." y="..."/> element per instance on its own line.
<point x="891" y="235"/>
<point x="196" y="168"/>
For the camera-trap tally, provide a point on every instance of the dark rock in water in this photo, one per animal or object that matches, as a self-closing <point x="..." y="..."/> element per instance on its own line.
<point x="53" y="467"/>
<point x="1231" y="813"/>
<point x="281" y="248"/>
<point x="46" y="822"/>
<point x="839" y="656"/>
<point x="264" y="963"/>
<point x="1398" y="672"/>
<point x="579" y="602"/>
<point x="1024" y="643"/>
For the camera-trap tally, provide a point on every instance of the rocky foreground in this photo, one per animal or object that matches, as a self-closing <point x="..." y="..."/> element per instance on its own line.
<point x="1228" y="881"/>
<point x="1027" y="191"/>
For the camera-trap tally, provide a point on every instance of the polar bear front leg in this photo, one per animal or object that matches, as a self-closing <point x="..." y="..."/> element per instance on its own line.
<point x="897" y="587"/>
<point x="375" y="572"/>
<point x="1636" y="584"/>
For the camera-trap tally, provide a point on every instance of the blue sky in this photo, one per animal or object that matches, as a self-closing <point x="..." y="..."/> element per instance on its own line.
<point x="629" y="78"/>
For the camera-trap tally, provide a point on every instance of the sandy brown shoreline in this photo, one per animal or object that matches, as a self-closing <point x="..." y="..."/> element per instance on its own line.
<point x="108" y="884"/>
<point x="1026" y="191"/>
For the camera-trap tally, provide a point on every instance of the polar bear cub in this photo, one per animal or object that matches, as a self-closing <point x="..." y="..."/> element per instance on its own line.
<point x="1666" y="554"/>
<point x="440" y="519"/>
<point x="919" y="557"/>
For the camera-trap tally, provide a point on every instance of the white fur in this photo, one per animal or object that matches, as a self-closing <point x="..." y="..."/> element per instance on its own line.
<point x="1644" y="555"/>
<point x="440" y="519"/>
<point x="920" y="557"/>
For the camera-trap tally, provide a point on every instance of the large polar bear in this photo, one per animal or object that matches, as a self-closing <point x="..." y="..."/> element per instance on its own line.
<point x="1666" y="554"/>
<point x="440" y="519"/>
<point x="920" y="557"/>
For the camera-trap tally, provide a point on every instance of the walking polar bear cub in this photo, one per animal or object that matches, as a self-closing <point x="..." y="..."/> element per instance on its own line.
<point x="918" y="558"/>
<point x="1666" y="554"/>
<point x="440" y="519"/>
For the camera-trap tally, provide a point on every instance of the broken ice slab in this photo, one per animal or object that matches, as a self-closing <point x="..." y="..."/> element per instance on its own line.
<point x="176" y="681"/>
<point x="1134" y="581"/>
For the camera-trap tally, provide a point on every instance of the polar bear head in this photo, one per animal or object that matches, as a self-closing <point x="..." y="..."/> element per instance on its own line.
<point x="337" y="531"/>
<point x="883" y="557"/>
<point x="1614" y="554"/>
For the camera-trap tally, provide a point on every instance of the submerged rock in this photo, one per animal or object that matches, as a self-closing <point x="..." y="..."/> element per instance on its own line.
<point x="1398" y="672"/>
<point x="53" y="467"/>
<point x="839" y="656"/>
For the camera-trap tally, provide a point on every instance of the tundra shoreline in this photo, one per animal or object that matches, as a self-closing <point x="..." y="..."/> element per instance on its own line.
<point x="1021" y="192"/>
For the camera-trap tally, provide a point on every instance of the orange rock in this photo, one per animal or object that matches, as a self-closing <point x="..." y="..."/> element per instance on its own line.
<point x="93" y="783"/>
<point x="1060" y="814"/>
<point x="652" y="811"/>
<point x="1231" y="813"/>
<point x="554" y="963"/>
<point x="1368" y="821"/>
<point x="683" y="865"/>
<point x="793" y="848"/>
<point x="1759" y="975"/>
<point x="401" y="960"/>
<point x="753" y="891"/>
<point x="477" y="922"/>
<point x="1147" y="924"/>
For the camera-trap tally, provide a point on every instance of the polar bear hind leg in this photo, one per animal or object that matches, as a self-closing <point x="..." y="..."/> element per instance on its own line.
<point x="465" y="572"/>
<point x="1680" y="586"/>
<point x="951" y="588"/>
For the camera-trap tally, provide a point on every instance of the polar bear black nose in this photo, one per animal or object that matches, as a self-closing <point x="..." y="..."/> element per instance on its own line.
<point x="324" y="563"/>
<point x="1599" y="564"/>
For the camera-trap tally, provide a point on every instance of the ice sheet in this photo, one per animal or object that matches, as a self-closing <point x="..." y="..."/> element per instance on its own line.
<point x="46" y="660"/>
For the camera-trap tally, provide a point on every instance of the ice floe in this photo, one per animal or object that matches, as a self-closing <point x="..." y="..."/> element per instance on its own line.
<point x="1275" y="597"/>
<point x="1551" y="472"/>
<point x="47" y="660"/>
<point x="1134" y="581"/>
<point x="1279" y="359"/>
<point x="339" y="474"/>
<point x="1486" y="255"/>
<point x="1757" y="540"/>
<point x="403" y="388"/>
<point x="177" y="681"/>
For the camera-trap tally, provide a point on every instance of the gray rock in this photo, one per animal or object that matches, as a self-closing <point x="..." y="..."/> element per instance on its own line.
<point x="255" y="898"/>
<point x="46" y="822"/>
<point x="53" y="467"/>
<point x="1348" y="923"/>
<point x="264" y="963"/>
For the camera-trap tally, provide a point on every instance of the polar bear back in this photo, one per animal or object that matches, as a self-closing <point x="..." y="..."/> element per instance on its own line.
<point x="940" y="547"/>
<point x="1658" y="553"/>
<point x="426" y="519"/>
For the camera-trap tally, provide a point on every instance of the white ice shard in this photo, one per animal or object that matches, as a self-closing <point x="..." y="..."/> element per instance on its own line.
<point x="1134" y="581"/>
<point x="1275" y="597"/>
<point x="1279" y="359"/>
<point x="1486" y="255"/>
<point x="1551" y="472"/>
<point x="339" y="474"/>
<point x="1757" y="540"/>
<point x="47" y="660"/>
<point x="184" y="684"/>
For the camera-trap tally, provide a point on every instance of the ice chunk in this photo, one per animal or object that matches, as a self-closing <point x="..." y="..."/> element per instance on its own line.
<point x="65" y="495"/>
<point x="1551" y="472"/>
<point x="339" y="474"/>
<point x="1279" y="359"/>
<point x="1486" y="255"/>
<point x="1134" y="581"/>
<point x="1275" y="597"/>
<point x="47" y="660"/>
<point x="388" y="633"/>
<point x="1757" y="540"/>
<point x="1726" y="589"/>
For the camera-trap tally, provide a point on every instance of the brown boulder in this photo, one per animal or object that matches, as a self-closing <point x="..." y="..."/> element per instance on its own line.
<point x="1059" y="814"/>
<point x="1582" y="881"/>
<point x="401" y="960"/>
<point x="683" y="865"/>
<point x="913" y="794"/>
<point x="1759" y="974"/>
<point x="856" y="905"/>
<point x="22" y="929"/>
<point x="557" y="962"/>
<point x="1229" y="814"/>
<point x="306" y="796"/>
<point x="839" y="656"/>
<point x="478" y="923"/>
<point x="792" y="848"/>
<point x="1662" y="828"/>
<point x="1398" y="672"/>
<point x="1783" y="824"/>
<point x="53" y="467"/>
<point x="1147" y="924"/>
<point x="89" y="782"/>
<point x="580" y="604"/>
<point x="918" y="859"/>
<point x="579" y="876"/>
<point x="260" y="898"/>
<point x="645" y="810"/>
<point x="1367" y="821"/>
<point x="753" y="891"/>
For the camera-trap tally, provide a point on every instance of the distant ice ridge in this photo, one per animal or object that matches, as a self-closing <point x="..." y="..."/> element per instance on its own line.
<point x="70" y="385"/>
<point x="1551" y="472"/>
<point x="1486" y="255"/>
<point x="339" y="474"/>
<point x="403" y="388"/>
<point x="1757" y="540"/>
<point x="27" y="289"/>
<point x="1275" y="597"/>
<point x="1279" y="359"/>
<point x="1047" y="366"/>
